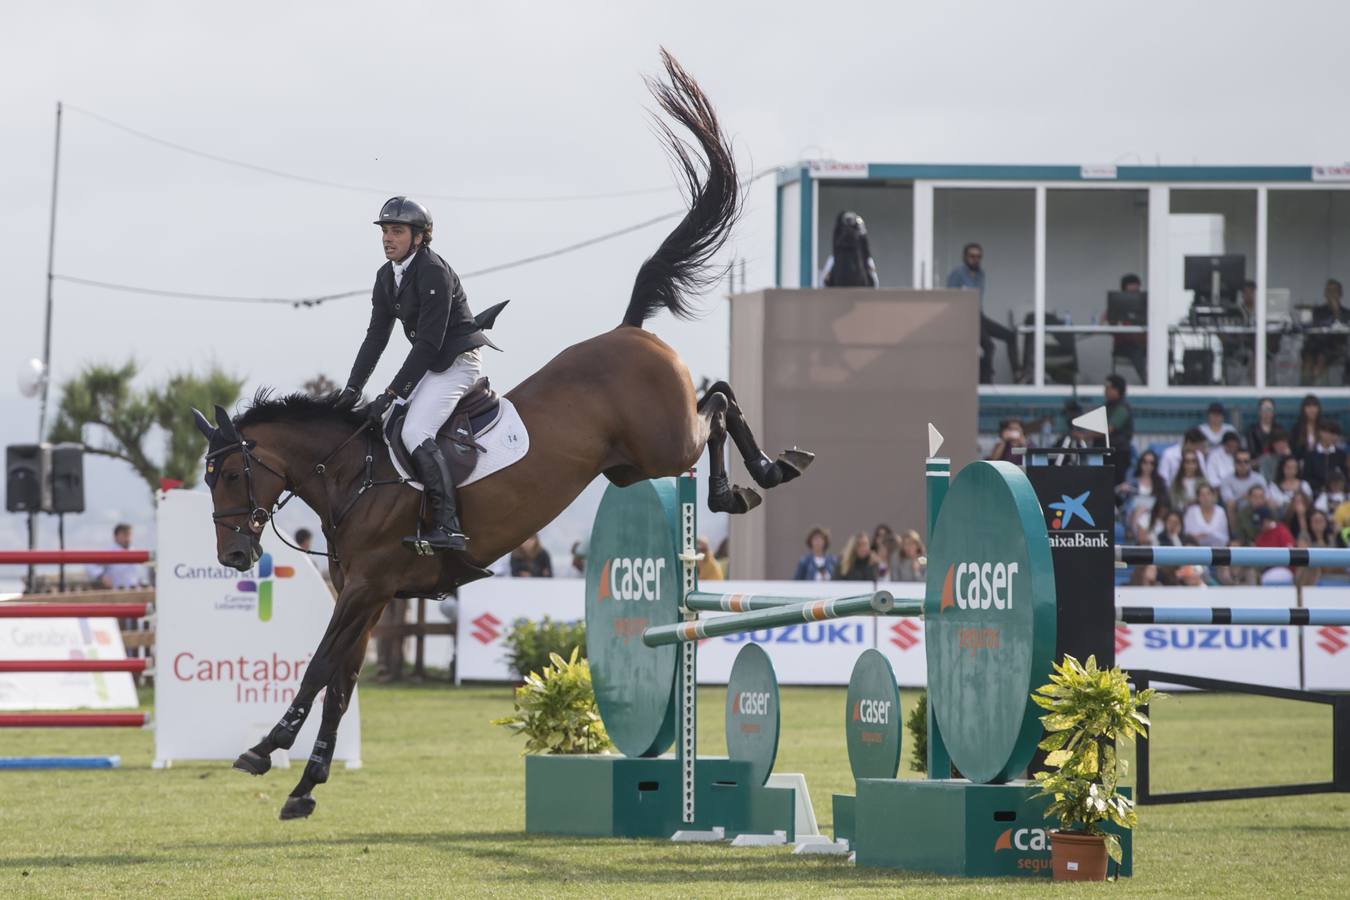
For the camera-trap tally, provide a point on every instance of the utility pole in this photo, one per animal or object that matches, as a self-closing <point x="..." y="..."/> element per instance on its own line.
<point x="47" y="328"/>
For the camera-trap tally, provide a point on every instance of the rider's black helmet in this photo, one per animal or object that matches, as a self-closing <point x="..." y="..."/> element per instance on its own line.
<point x="402" y="211"/>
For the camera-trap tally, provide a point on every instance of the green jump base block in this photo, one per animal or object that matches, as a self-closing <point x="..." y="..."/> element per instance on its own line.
<point x="958" y="828"/>
<point x="845" y="808"/>
<point x="619" y="796"/>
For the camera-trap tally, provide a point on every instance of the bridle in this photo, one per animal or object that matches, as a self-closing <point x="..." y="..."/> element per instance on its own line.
<point x="259" y="516"/>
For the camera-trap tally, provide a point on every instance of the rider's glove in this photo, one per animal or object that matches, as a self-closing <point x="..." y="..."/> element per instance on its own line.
<point x="375" y="409"/>
<point x="347" y="399"/>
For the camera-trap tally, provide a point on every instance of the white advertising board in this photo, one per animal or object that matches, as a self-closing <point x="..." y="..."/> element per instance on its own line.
<point x="29" y="639"/>
<point x="231" y="647"/>
<point x="1326" y="648"/>
<point x="1266" y="655"/>
<point x="488" y="607"/>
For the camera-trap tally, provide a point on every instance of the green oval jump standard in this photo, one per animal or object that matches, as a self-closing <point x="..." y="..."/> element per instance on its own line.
<point x="753" y="717"/>
<point x="872" y="718"/>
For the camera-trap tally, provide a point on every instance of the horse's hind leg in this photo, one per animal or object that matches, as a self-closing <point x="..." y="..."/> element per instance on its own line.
<point x="301" y="801"/>
<point x="767" y="472"/>
<point x="722" y="495"/>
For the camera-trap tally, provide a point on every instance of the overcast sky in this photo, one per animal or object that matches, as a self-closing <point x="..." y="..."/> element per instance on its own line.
<point x="523" y="100"/>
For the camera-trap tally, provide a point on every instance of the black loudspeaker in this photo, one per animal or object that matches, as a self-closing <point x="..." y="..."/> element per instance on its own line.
<point x="27" y="487"/>
<point x="67" y="470"/>
<point x="1197" y="367"/>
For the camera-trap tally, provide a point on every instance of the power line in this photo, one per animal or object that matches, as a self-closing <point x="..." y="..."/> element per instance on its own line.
<point x="320" y="299"/>
<point x="364" y="189"/>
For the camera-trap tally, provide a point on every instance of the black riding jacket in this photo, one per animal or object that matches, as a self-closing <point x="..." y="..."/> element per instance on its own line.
<point x="431" y="304"/>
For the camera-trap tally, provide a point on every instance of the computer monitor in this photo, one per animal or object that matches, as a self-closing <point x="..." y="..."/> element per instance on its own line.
<point x="1127" y="307"/>
<point x="1231" y="269"/>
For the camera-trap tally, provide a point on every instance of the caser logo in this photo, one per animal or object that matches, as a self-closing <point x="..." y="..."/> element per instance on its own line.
<point x="637" y="578"/>
<point x="979" y="585"/>
<point x="1022" y="839"/>
<point x="872" y="712"/>
<point x="751" y="703"/>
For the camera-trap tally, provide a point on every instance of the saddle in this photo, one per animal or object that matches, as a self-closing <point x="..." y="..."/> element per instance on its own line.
<point x="477" y="411"/>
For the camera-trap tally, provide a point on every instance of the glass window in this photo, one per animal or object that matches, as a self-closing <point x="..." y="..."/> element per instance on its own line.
<point x="1001" y="226"/>
<point x="1211" y="320"/>
<point x="1308" y="247"/>
<point x="888" y="214"/>
<point x="1096" y="265"/>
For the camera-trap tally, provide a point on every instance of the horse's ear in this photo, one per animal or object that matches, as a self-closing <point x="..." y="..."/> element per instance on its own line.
<point x="203" y="426"/>
<point x="226" y="426"/>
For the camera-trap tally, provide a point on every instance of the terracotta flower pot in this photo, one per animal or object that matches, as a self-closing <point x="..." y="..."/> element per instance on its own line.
<point x="1075" y="856"/>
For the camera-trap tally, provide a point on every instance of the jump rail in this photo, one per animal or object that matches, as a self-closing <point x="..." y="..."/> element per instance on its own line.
<point x="72" y="610"/>
<point x="878" y="602"/>
<point x="1257" y="557"/>
<point x="72" y="665"/>
<point x="71" y="557"/>
<point x="74" y="720"/>
<point x="1223" y="615"/>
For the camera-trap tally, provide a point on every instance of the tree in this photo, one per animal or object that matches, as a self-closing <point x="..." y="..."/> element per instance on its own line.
<point x="320" y="386"/>
<point x="103" y="398"/>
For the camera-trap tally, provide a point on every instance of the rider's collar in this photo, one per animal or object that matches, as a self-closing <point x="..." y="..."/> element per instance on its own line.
<point x="401" y="267"/>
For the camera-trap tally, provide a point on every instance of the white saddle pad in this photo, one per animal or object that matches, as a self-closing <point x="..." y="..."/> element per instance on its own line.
<point x="504" y="443"/>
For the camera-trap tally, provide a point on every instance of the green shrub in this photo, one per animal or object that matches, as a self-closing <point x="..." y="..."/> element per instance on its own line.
<point x="530" y="645"/>
<point x="917" y="723"/>
<point x="555" y="709"/>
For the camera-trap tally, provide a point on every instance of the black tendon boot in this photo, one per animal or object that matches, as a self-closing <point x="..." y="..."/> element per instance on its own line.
<point x="445" y="533"/>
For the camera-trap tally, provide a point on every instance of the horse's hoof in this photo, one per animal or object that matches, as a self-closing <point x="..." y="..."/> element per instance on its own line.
<point x="792" y="463"/>
<point x="252" y="763"/>
<point x="297" y="808"/>
<point x="735" y="500"/>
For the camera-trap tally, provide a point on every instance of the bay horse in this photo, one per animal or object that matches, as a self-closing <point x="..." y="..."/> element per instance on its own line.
<point x="621" y="405"/>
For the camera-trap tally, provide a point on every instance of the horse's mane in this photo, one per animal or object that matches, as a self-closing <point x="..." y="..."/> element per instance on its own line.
<point x="266" y="408"/>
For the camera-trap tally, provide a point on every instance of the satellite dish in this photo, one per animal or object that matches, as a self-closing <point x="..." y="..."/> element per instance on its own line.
<point x="30" y="377"/>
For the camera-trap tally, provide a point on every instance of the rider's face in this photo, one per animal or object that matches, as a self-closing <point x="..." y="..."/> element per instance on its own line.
<point x="397" y="241"/>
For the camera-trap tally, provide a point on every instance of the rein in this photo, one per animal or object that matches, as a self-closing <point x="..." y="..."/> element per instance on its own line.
<point x="258" y="517"/>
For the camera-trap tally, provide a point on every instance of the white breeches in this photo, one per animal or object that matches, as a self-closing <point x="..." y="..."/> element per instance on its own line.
<point x="434" y="398"/>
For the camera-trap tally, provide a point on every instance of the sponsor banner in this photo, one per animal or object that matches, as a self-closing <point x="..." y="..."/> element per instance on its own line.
<point x="833" y="168"/>
<point x="1326" y="648"/>
<point x="1097" y="172"/>
<point x="63" y="639"/>
<point x="232" y="647"/>
<point x="1331" y="173"/>
<point x="1266" y="655"/>
<point x="487" y="610"/>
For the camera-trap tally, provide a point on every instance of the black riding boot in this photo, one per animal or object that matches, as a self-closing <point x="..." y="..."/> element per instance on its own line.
<point x="445" y="533"/>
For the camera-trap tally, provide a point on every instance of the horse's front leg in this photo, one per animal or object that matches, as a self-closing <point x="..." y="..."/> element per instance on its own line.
<point x="257" y="760"/>
<point x="301" y="802"/>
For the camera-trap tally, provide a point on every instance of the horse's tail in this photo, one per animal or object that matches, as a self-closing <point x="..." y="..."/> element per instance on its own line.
<point x="680" y="264"/>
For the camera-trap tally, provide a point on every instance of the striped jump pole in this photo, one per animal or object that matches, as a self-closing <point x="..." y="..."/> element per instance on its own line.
<point x="1257" y="557"/>
<point x="1223" y="615"/>
<point x="72" y="665"/>
<point x="879" y="602"/>
<point x="71" y="557"/>
<point x="702" y="601"/>
<point x="74" y="720"/>
<point x="72" y="610"/>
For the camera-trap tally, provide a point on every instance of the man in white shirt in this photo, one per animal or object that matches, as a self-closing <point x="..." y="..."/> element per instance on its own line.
<point x="117" y="576"/>
<point x="1215" y="425"/>
<point x="1170" y="460"/>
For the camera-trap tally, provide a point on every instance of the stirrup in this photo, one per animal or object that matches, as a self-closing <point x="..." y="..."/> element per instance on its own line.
<point x="422" y="544"/>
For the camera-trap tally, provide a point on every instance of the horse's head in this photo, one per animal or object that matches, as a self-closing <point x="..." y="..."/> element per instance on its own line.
<point x="244" y="488"/>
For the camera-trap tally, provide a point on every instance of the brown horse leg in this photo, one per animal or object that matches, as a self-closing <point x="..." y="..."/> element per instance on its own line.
<point x="257" y="760"/>
<point x="722" y="496"/>
<point x="766" y="472"/>
<point x="301" y="803"/>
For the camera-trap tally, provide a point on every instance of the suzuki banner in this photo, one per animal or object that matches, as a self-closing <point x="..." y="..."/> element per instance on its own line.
<point x="1326" y="648"/>
<point x="823" y="653"/>
<point x="232" y="647"/>
<point x="1256" y="654"/>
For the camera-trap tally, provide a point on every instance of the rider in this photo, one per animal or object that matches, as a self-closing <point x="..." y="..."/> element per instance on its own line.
<point x="419" y="289"/>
